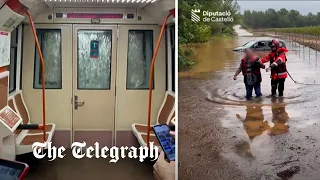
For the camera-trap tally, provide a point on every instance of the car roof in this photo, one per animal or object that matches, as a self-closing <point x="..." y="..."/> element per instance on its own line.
<point x="265" y="39"/>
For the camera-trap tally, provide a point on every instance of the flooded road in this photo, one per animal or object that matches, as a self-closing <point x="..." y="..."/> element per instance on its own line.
<point x="223" y="136"/>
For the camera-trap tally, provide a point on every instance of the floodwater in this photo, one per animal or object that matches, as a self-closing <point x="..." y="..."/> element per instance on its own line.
<point x="223" y="136"/>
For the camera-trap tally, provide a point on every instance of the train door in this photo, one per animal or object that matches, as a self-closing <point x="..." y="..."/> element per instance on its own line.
<point x="94" y="70"/>
<point x="97" y="80"/>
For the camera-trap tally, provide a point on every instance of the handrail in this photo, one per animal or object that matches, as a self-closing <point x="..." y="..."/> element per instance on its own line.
<point x="151" y="76"/>
<point x="42" y="76"/>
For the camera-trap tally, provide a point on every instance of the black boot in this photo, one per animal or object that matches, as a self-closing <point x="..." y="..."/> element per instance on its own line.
<point x="273" y="90"/>
<point x="274" y="85"/>
<point x="280" y="93"/>
<point x="281" y="87"/>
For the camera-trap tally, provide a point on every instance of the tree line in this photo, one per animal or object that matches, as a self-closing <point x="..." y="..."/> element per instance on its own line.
<point x="191" y="32"/>
<point x="282" y="18"/>
<point x="202" y="31"/>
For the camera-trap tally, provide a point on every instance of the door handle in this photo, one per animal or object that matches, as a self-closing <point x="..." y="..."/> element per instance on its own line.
<point x="77" y="103"/>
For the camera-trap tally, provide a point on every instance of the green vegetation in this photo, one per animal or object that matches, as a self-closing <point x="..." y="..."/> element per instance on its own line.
<point x="282" y="18"/>
<point x="185" y="59"/>
<point x="191" y="32"/>
<point x="312" y="30"/>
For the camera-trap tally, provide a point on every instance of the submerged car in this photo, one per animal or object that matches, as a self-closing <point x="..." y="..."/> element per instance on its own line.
<point x="260" y="46"/>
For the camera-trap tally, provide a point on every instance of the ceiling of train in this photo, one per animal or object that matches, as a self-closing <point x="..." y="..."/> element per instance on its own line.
<point x="157" y="9"/>
<point x="98" y="3"/>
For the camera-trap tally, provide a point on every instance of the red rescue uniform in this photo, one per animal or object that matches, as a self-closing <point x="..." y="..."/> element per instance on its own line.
<point x="277" y="63"/>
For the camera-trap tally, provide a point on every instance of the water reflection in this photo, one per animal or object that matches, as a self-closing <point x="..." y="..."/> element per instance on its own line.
<point x="279" y="117"/>
<point x="255" y="123"/>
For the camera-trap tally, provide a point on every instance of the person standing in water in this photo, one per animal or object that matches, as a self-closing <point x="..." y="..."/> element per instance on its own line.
<point x="250" y="68"/>
<point x="277" y="58"/>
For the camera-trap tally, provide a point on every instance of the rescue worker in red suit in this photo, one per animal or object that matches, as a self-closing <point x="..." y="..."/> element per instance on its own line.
<point x="250" y="68"/>
<point x="277" y="58"/>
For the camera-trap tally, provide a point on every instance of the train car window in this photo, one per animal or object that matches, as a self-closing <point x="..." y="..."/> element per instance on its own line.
<point x="172" y="39"/>
<point x="13" y="61"/>
<point x="50" y="42"/>
<point x="140" y="51"/>
<point x="94" y="59"/>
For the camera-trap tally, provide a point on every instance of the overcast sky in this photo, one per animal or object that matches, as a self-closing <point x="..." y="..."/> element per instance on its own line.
<point x="303" y="6"/>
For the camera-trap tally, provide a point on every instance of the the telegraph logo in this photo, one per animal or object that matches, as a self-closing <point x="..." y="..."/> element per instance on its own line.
<point x="194" y="15"/>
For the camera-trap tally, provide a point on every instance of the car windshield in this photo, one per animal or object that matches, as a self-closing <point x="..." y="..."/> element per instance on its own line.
<point x="249" y="44"/>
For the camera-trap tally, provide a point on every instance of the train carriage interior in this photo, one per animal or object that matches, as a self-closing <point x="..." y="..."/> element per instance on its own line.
<point x="101" y="61"/>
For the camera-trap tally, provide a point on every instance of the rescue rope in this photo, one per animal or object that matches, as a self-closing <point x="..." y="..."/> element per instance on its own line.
<point x="292" y="78"/>
<point x="296" y="82"/>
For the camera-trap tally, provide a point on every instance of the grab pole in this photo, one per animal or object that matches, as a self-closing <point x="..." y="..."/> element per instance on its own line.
<point x="151" y="73"/>
<point x="42" y="77"/>
<point x="19" y="8"/>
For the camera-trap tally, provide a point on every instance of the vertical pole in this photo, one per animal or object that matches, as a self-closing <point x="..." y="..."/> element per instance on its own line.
<point x="151" y="76"/>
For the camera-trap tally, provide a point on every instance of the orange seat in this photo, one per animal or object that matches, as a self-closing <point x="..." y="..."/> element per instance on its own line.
<point x="165" y="115"/>
<point x="25" y="138"/>
<point x="30" y="139"/>
<point x="23" y="111"/>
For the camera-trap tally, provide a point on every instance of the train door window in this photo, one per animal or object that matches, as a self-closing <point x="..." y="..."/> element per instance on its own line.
<point x="94" y="59"/>
<point x="13" y="60"/>
<point x="50" y="42"/>
<point x="172" y="39"/>
<point x="140" y="51"/>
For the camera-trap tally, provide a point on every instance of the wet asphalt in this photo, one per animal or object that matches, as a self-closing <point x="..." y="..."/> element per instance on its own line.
<point x="222" y="136"/>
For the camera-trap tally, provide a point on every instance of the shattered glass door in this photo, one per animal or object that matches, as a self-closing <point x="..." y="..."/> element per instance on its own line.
<point x="94" y="59"/>
<point x="140" y="51"/>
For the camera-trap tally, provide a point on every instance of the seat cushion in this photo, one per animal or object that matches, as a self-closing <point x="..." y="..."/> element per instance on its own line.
<point x="141" y="128"/>
<point x="30" y="139"/>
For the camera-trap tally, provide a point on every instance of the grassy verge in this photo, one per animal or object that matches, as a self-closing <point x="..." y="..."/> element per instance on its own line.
<point x="222" y="36"/>
<point x="185" y="59"/>
<point x="312" y="30"/>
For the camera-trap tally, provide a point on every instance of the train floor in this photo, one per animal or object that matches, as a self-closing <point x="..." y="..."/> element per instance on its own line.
<point x="86" y="169"/>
